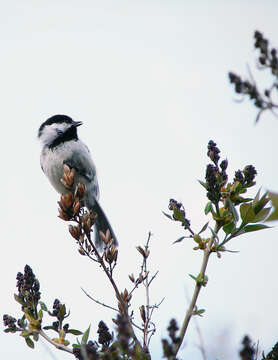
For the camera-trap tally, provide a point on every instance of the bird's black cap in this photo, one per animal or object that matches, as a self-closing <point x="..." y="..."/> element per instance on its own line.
<point x="55" y="119"/>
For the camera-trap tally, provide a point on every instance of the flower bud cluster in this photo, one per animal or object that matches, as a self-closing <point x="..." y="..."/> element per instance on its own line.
<point x="168" y="346"/>
<point x="104" y="336"/>
<point x="89" y="350"/>
<point x="246" y="176"/>
<point x="267" y="58"/>
<point x="246" y="88"/>
<point x="179" y="213"/>
<point x="123" y="332"/>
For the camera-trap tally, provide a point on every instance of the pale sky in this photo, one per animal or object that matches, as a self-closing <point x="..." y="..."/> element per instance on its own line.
<point x="148" y="79"/>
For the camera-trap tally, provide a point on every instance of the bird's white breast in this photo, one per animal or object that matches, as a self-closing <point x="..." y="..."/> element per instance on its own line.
<point x="52" y="162"/>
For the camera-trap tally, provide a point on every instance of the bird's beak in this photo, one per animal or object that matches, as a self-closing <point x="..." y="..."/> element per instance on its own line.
<point x="77" y="123"/>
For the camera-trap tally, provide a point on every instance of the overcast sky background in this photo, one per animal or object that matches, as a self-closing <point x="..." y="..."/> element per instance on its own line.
<point x="149" y="81"/>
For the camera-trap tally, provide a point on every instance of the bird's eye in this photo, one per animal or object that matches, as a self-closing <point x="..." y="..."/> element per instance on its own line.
<point x="59" y="132"/>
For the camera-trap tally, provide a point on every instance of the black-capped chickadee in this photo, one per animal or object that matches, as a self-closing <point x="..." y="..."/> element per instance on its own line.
<point x="61" y="145"/>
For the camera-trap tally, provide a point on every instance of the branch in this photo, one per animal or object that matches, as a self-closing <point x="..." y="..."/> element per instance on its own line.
<point x="117" y="292"/>
<point x="197" y="289"/>
<point x="58" y="346"/>
<point x="98" y="302"/>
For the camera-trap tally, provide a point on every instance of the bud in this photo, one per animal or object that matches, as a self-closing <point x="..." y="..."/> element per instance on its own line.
<point x="63" y="215"/>
<point x="71" y="177"/>
<point x="114" y="251"/>
<point x="66" y="201"/>
<point x="81" y="251"/>
<point x="66" y="170"/>
<point x="81" y="239"/>
<point x="143" y="313"/>
<point x="211" y="155"/>
<point x="224" y="164"/>
<point x="105" y="237"/>
<point x="79" y="190"/>
<point x="68" y="177"/>
<point x="75" y="231"/>
<point x="125" y="295"/>
<point x="76" y="206"/>
<point x="197" y="238"/>
<point x="86" y="224"/>
<point x="131" y="277"/>
<point x="111" y="254"/>
<point x="93" y="216"/>
<point x="102" y="236"/>
<point x="141" y="251"/>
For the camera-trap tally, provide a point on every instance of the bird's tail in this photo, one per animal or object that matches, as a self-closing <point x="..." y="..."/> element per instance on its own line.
<point x="102" y="224"/>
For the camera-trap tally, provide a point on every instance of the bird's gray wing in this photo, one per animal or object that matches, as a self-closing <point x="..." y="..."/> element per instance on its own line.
<point x="83" y="164"/>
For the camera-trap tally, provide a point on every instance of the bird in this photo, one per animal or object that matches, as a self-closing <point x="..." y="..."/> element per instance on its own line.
<point x="61" y="145"/>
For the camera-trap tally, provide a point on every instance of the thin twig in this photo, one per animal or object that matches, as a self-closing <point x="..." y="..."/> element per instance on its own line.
<point x="99" y="302"/>
<point x="153" y="278"/>
<point x="58" y="346"/>
<point x="117" y="292"/>
<point x="156" y="306"/>
<point x="146" y="283"/>
<point x="137" y="326"/>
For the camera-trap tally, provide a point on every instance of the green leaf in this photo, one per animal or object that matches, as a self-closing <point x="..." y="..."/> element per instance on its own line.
<point x="9" y="330"/>
<point x="43" y="306"/>
<point x="74" y="332"/>
<point x="203" y="228"/>
<point x="228" y="228"/>
<point x="179" y="239"/>
<point x="178" y="215"/>
<point x="19" y="300"/>
<point x="30" y="343"/>
<point x="249" y="228"/>
<point x="203" y="184"/>
<point x="214" y="234"/>
<point x="25" y="334"/>
<point x="40" y="314"/>
<point x="257" y="197"/>
<point x="202" y="279"/>
<point x="49" y="327"/>
<point x="62" y="311"/>
<point x="243" y="200"/>
<point x="193" y="277"/>
<point x="233" y="210"/>
<point x="244" y="209"/>
<point x="247" y="213"/>
<point x="259" y="204"/>
<point x="86" y="335"/>
<point x="200" y="312"/>
<point x="274" y="199"/>
<point x="208" y="207"/>
<point x="261" y="216"/>
<point x="167" y="215"/>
